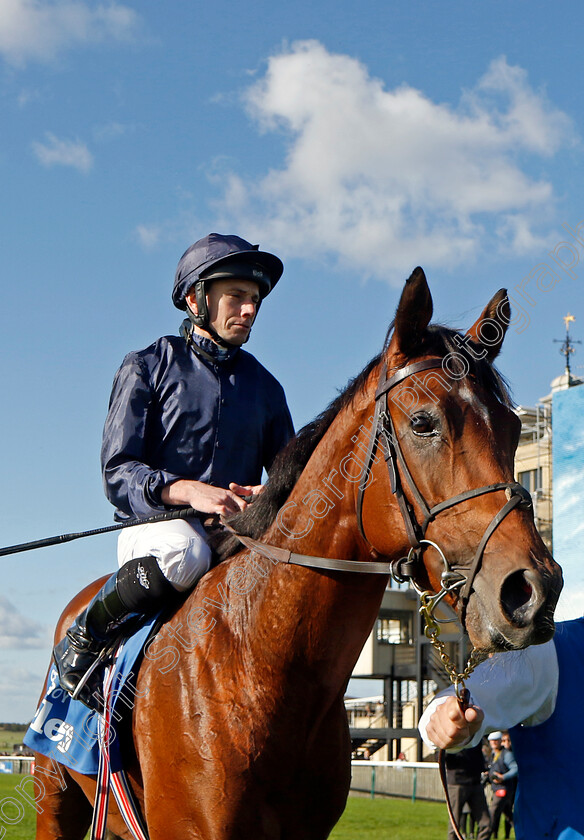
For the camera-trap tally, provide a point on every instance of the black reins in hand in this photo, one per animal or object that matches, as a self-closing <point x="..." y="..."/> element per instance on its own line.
<point x="464" y="702"/>
<point x="180" y="513"/>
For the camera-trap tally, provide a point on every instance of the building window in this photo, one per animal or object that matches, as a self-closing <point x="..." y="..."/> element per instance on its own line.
<point x="394" y="628"/>
<point x="531" y="479"/>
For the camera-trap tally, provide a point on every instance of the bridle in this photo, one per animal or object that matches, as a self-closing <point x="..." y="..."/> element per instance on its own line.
<point x="407" y="568"/>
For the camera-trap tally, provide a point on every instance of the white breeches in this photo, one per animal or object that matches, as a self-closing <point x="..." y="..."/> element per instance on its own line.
<point x="179" y="545"/>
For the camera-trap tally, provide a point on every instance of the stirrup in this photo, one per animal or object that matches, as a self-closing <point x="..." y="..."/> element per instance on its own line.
<point x="101" y="659"/>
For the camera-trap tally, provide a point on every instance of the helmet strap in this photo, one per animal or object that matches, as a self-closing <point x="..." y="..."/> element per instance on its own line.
<point x="187" y="330"/>
<point x="202" y="318"/>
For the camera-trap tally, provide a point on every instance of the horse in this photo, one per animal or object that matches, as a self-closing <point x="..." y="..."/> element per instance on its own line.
<point x="239" y="729"/>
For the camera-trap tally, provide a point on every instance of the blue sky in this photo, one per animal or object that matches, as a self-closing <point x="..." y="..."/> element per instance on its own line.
<point x="354" y="140"/>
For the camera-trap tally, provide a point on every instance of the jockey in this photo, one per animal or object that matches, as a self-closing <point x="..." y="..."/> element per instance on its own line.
<point x="192" y="421"/>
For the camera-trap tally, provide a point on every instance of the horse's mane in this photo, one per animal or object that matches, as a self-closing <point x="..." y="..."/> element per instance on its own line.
<point x="291" y="461"/>
<point x="286" y="470"/>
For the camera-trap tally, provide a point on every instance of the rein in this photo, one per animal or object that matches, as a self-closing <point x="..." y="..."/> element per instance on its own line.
<point x="284" y="555"/>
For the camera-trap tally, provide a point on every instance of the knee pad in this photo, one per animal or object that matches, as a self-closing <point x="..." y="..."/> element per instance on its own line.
<point x="141" y="585"/>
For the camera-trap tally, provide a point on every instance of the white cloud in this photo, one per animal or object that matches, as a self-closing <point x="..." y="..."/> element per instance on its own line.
<point x="384" y="179"/>
<point x="41" y="29"/>
<point x="568" y="492"/>
<point x="109" y="131"/>
<point x="56" y="152"/>
<point x="17" y="631"/>
<point x="185" y="227"/>
<point x="574" y="445"/>
<point x="148" y="235"/>
<point x="571" y="601"/>
<point x="21" y="687"/>
<point x="26" y="96"/>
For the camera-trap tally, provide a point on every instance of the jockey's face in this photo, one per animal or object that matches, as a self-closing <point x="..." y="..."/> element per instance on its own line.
<point x="232" y="305"/>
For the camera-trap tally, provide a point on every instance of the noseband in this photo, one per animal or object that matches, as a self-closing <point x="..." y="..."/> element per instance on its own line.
<point x="407" y="568"/>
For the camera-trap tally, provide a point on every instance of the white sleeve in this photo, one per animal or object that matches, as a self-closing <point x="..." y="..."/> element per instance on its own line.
<point x="518" y="686"/>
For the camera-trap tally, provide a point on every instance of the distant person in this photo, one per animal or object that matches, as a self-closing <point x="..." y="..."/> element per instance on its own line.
<point x="464" y="771"/>
<point x="502" y="776"/>
<point x="193" y="420"/>
<point x="535" y="693"/>
<point x="511" y="787"/>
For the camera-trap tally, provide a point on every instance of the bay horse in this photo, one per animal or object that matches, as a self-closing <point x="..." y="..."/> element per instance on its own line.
<point x="239" y="729"/>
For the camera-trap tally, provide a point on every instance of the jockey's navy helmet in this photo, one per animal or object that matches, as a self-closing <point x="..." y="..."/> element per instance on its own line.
<point x="218" y="256"/>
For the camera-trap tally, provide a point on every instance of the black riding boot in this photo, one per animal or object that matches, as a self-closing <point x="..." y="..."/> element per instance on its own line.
<point x="136" y="592"/>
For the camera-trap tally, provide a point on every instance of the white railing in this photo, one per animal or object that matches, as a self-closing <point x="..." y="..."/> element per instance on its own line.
<point x="22" y="764"/>
<point x="406" y="779"/>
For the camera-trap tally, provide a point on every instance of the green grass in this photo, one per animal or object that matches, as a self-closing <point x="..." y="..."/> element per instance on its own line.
<point x="379" y="819"/>
<point x="364" y="819"/>
<point x="22" y="816"/>
<point x="9" y="737"/>
<point x="398" y="819"/>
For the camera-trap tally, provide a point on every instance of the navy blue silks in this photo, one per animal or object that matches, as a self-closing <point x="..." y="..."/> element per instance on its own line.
<point x="175" y="414"/>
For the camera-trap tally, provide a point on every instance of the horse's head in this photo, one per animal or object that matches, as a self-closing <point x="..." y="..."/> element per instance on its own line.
<point x="445" y="420"/>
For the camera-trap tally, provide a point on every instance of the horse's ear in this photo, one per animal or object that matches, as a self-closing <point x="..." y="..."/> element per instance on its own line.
<point x="413" y="315"/>
<point x="489" y="329"/>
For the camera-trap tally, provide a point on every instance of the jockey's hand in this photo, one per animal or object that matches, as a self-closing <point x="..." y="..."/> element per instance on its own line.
<point x="450" y="726"/>
<point x="246" y="491"/>
<point x="202" y="497"/>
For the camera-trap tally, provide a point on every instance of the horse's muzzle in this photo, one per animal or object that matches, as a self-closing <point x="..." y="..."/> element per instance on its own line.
<point x="523" y="615"/>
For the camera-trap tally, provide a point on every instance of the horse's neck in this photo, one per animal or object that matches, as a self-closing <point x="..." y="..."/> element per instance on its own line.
<point x="309" y="619"/>
<point x="319" y="516"/>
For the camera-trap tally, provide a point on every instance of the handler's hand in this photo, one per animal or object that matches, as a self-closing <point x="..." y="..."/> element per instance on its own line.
<point x="450" y="726"/>
<point x="202" y="497"/>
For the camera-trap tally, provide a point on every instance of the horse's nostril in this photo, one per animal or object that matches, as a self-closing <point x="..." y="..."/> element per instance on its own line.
<point x="517" y="598"/>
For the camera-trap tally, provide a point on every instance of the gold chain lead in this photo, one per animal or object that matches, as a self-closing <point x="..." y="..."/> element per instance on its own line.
<point x="432" y="632"/>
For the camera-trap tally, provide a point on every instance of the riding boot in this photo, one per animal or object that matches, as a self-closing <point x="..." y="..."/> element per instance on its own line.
<point x="137" y="591"/>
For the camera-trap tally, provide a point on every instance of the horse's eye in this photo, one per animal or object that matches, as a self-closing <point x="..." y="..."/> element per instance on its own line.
<point x="423" y="424"/>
